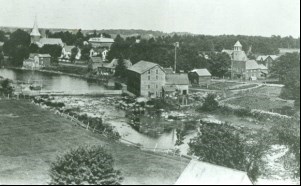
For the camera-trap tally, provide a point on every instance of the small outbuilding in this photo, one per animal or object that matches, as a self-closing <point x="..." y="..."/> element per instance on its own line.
<point x="200" y="77"/>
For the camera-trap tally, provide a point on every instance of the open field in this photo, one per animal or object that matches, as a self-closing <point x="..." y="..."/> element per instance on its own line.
<point x="263" y="98"/>
<point x="31" y="138"/>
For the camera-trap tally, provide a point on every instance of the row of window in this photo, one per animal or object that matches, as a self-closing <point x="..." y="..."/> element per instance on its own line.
<point x="150" y="78"/>
<point x="157" y="71"/>
<point x="149" y="86"/>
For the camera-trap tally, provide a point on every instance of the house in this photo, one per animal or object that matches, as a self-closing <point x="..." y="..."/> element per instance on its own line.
<point x="283" y="51"/>
<point x="176" y="83"/>
<point x="105" y="68"/>
<point x="37" y="61"/>
<point x="202" y="173"/>
<point x="200" y="77"/>
<point x="146" y="79"/>
<point x="255" y="71"/>
<point x="101" y="42"/>
<point x="38" y="40"/>
<point x="267" y="60"/>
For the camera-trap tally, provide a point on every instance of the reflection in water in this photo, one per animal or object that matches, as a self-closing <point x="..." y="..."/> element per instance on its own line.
<point x="50" y="81"/>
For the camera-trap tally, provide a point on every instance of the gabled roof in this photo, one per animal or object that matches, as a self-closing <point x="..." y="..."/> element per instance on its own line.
<point x="169" y="88"/>
<point x="253" y="65"/>
<point x="142" y="66"/>
<point x="201" y="72"/>
<point x="237" y="44"/>
<point x="177" y="79"/>
<point x="264" y="57"/>
<point x="96" y="59"/>
<point x="202" y="173"/>
<point x="68" y="48"/>
<point x="50" y="41"/>
<point x="229" y="52"/>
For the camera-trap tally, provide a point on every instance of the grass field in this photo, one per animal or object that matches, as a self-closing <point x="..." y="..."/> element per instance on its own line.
<point x="263" y="98"/>
<point x="31" y="138"/>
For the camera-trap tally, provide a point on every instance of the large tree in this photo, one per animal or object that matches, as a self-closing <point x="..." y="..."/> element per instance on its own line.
<point x="287" y="68"/>
<point x="17" y="47"/>
<point x="82" y="166"/>
<point x="223" y="145"/>
<point x="54" y="50"/>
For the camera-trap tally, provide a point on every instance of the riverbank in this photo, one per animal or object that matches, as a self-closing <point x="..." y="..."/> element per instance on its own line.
<point x="29" y="143"/>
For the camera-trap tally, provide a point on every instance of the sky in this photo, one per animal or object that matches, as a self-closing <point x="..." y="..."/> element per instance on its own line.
<point x="210" y="17"/>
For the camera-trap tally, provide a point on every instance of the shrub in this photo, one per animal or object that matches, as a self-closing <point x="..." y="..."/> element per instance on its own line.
<point x="92" y="165"/>
<point x="210" y="104"/>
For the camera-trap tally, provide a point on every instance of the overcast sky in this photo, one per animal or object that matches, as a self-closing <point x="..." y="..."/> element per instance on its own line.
<point x="213" y="17"/>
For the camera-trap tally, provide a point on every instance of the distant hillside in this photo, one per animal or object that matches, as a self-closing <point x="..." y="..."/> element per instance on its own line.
<point x="113" y="32"/>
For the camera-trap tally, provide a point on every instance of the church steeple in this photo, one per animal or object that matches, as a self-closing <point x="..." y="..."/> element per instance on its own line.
<point x="35" y="34"/>
<point x="237" y="46"/>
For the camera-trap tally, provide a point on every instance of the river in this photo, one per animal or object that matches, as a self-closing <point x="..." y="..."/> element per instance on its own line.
<point x="58" y="82"/>
<point x="51" y="81"/>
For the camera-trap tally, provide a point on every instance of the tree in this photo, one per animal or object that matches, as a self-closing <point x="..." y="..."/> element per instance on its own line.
<point x="54" y="50"/>
<point x="210" y="104"/>
<point x="120" y="70"/>
<point x="17" y="47"/>
<point x="85" y="52"/>
<point x="223" y="145"/>
<point x="82" y="166"/>
<point x="287" y="68"/>
<point x="74" y="52"/>
<point x="220" y="64"/>
<point x="33" y="48"/>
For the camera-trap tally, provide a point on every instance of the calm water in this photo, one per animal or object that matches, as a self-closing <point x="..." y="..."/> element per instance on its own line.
<point x="50" y="81"/>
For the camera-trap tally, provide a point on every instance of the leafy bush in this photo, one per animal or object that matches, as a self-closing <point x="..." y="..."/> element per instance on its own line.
<point x="210" y="104"/>
<point x="82" y="166"/>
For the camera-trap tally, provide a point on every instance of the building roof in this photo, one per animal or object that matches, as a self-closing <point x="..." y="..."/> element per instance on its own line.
<point x="101" y="40"/>
<point x="96" y="59"/>
<point x="264" y="57"/>
<point x="50" y="41"/>
<point x="35" y="29"/>
<point x="177" y="79"/>
<point x="68" y="48"/>
<point x="229" y="52"/>
<point x="237" y="44"/>
<point x="142" y="66"/>
<point x="252" y="64"/>
<point x="288" y="50"/>
<point x="201" y="72"/>
<point x="201" y="173"/>
<point x="44" y="55"/>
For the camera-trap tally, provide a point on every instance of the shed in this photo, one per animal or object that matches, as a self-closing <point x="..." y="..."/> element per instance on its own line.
<point x="200" y="76"/>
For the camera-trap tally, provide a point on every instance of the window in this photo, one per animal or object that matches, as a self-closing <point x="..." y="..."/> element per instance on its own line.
<point x="157" y="71"/>
<point x="156" y="77"/>
<point x="148" y="86"/>
<point x="148" y="77"/>
<point x="156" y="86"/>
<point x="149" y="72"/>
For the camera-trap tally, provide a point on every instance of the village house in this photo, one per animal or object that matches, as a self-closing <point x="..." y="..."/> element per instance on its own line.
<point x="104" y="68"/>
<point x="267" y="60"/>
<point x="101" y="42"/>
<point x="146" y="79"/>
<point x="37" y="61"/>
<point x="283" y="51"/>
<point x="38" y="40"/>
<point x="176" y="84"/>
<point x="66" y="53"/>
<point x="255" y="71"/>
<point x="200" y="77"/>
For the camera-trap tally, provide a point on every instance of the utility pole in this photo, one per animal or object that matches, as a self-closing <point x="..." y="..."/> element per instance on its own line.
<point x="176" y="46"/>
